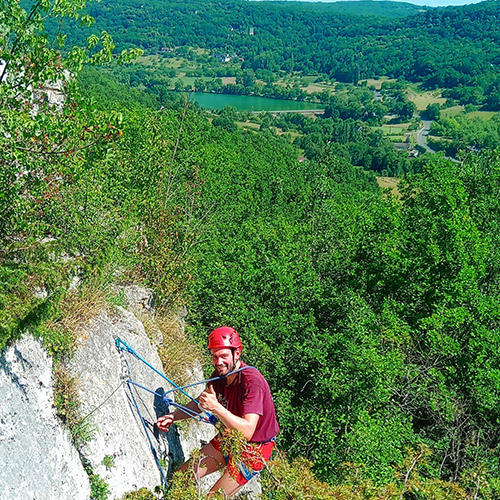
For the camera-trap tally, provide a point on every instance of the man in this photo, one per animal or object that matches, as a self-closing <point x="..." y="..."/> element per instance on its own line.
<point x="241" y="400"/>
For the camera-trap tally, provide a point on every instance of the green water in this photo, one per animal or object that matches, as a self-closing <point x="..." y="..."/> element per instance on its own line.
<point x="250" y="103"/>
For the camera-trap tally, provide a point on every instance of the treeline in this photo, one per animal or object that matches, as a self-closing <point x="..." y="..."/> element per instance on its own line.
<point x="350" y="139"/>
<point x="455" y="47"/>
<point x="374" y="317"/>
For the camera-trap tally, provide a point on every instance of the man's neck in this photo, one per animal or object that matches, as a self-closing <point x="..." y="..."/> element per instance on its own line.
<point x="231" y="378"/>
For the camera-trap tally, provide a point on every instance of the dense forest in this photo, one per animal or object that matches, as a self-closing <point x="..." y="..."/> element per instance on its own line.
<point x="275" y="50"/>
<point x="374" y="315"/>
<point x="454" y="47"/>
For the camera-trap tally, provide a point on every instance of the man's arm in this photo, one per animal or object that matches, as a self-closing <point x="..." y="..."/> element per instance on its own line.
<point x="246" y="424"/>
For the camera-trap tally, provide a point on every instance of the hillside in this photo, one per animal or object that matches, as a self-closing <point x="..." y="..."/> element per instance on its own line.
<point x="374" y="318"/>
<point x="444" y="47"/>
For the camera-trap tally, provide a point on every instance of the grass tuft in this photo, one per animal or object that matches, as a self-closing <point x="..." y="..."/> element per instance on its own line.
<point x="67" y="405"/>
<point x="177" y="352"/>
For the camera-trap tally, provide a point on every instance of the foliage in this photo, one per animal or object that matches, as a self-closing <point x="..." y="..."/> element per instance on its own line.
<point x="33" y="58"/>
<point x="67" y="406"/>
<point x="99" y="489"/>
<point x="183" y="486"/>
<point x="465" y="134"/>
<point x="106" y="92"/>
<point x="374" y="319"/>
<point x="232" y="444"/>
<point x="51" y="220"/>
<point x="432" y="112"/>
<point x="141" y="494"/>
<point x="284" y="480"/>
<point x="370" y="306"/>
<point x="347" y="138"/>
<point x="108" y="461"/>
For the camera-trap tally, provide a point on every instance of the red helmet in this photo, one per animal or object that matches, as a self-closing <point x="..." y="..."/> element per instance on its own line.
<point x="225" y="336"/>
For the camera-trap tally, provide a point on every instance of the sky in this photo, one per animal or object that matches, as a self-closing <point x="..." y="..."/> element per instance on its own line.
<point x="430" y="3"/>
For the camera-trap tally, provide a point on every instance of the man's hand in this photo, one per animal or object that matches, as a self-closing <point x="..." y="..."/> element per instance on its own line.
<point x="164" y="423"/>
<point x="208" y="400"/>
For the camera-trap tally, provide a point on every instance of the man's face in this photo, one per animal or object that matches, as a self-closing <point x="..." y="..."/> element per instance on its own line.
<point x="223" y="360"/>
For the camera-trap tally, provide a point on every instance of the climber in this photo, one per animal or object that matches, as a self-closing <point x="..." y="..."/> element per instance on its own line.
<point x="240" y="399"/>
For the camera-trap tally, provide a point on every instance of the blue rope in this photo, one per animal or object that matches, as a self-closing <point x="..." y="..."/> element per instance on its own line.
<point x="127" y="348"/>
<point x="171" y="402"/>
<point x="143" y="421"/>
<point x="211" y="419"/>
<point x="211" y="379"/>
<point x="123" y="346"/>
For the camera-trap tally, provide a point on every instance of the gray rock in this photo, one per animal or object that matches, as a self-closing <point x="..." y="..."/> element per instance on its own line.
<point x="119" y="433"/>
<point x="37" y="459"/>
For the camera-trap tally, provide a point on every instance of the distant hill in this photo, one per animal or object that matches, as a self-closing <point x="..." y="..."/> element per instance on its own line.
<point x="379" y="8"/>
<point x="347" y="41"/>
<point x="155" y="23"/>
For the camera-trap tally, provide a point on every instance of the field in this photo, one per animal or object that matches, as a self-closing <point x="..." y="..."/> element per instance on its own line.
<point x="460" y="110"/>
<point x="377" y="82"/>
<point x="482" y="115"/>
<point x="164" y="62"/>
<point x="317" y="87"/>
<point x="248" y="126"/>
<point x="451" y="112"/>
<point x="396" y="133"/>
<point x="423" y="99"/>
<point x="389" y="182"/>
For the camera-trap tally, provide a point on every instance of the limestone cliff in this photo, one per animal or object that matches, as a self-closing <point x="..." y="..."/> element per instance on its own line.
<point x="37" y="458"/>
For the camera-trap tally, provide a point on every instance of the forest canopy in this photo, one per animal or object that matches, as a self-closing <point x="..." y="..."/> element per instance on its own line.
<point x="374" y="316"/>
<point x="446" y="47"/>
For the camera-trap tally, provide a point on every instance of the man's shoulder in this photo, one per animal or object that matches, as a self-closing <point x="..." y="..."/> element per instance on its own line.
<point x="252" y="374"/>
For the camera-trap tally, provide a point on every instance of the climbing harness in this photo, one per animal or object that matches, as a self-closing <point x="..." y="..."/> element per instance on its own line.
<point x="200" y="416"/>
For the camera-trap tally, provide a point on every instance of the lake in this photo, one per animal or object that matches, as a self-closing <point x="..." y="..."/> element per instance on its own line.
<point x="250" y="103"/>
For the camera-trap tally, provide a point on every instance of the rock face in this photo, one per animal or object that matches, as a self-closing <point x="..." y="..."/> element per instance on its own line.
<point x="119" y="389"/>
<point x="37" y="459"/>
<point x="121" y="397"/>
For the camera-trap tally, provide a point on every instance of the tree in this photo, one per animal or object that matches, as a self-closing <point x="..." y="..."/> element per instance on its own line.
<point x="199" y="85"/>
<point x="432" y="112"/>
<point x="225" y="123"/>
<point x="405" y="109"/>
<point x="246" y="78"/>
<point x="45" y="147"/>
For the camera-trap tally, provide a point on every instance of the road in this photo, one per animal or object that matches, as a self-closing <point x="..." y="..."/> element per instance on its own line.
<point x="422" y="139"/>
<point x="299" y="111"/>
<point x="422" y="135"/>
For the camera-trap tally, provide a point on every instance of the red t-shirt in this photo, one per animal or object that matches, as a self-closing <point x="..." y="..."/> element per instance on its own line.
<point x="249" y="393"/>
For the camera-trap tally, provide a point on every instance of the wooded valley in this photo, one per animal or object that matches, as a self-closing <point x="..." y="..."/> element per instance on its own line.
<point x="374" y="314"/>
